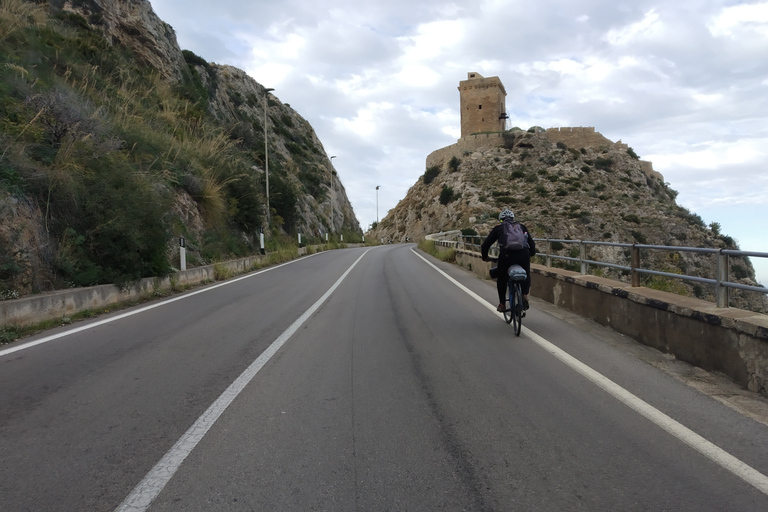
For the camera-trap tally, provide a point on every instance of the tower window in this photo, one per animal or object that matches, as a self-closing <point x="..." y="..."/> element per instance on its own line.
<point x="480" y="107"/>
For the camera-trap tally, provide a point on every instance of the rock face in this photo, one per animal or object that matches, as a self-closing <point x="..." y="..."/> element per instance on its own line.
<point x="116" y="142"/>
<point x="561" y="192"/>
<point x="133" y="24"/>
<point x="24" y="246"/>
<point x="237" y="100"/>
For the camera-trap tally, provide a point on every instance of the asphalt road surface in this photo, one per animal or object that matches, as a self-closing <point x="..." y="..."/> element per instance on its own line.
<point x="360" y="379"/>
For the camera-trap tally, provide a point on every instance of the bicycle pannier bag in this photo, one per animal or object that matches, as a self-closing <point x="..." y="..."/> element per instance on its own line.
<point x="517" y="273"/>
<point x="512" y="238"/>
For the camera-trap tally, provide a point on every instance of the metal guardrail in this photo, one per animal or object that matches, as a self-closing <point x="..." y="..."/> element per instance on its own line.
<point x="720" y="282"/>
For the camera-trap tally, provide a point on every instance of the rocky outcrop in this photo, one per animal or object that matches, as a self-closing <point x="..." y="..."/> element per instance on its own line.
<point x="134" y="24"/>
<point x="561" y="192"/>
<point x="25" y="250"/>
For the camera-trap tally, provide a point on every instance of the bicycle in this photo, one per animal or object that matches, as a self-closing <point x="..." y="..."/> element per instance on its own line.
<point x="514" y="312"/>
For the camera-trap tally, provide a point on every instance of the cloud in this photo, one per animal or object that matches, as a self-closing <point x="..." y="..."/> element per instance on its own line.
<point x="739" y="21"/>
<point x="683" y="83"/>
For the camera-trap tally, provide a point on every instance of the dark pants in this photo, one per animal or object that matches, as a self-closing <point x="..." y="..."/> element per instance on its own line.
<point x="506" y="260"/>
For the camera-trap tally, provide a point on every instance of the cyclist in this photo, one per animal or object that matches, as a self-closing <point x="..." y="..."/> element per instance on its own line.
<point x="520" y="257"/>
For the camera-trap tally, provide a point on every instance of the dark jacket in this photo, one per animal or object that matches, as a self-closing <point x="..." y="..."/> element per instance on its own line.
<point x="494" y="236"/>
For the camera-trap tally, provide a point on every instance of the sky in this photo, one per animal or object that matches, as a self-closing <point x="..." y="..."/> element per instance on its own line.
<point x="684" y="83"/>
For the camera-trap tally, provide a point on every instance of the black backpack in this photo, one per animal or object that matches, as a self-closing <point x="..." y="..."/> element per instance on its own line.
<point x="512" y="237"/>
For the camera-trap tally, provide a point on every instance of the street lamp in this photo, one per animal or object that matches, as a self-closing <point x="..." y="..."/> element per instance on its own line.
<point x="266" y="146"/>
<point x="377" y="205"/>
<point x="331" y="196"/>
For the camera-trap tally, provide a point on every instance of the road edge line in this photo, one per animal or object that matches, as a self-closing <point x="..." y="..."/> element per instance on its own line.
<point x="713" y="452"/>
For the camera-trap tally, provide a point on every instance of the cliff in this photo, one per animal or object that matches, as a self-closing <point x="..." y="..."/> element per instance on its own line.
<point x="115" y="143"/>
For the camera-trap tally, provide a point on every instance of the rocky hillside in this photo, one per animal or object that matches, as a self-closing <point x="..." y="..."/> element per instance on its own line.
<point x="115" y="142"/>
<point x="587" y="193"/>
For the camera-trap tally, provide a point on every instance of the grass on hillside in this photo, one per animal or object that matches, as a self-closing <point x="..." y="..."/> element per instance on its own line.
<point x="101" y="147"/>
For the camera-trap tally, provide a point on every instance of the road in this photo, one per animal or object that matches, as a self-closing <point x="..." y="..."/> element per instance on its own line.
<point x="368" y="379"/>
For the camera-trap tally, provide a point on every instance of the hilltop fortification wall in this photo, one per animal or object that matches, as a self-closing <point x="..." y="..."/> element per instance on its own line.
<point x="470" y="143"/>
<point x="575" y="137"/>
<point x="579" y="137"/>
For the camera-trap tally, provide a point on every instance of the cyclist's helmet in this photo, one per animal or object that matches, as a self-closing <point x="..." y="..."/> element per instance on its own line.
<point x="505" y="214"/>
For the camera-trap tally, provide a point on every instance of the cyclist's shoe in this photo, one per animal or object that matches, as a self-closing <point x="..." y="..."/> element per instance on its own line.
<point x="525" y="304"/>
<point x="501" y="308"/>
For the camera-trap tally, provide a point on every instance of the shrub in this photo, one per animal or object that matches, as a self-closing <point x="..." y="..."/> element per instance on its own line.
<point x="604" y="164"/>
<point x="586" y="169"/>
<point x="631" y="218"/>
<point x="454" y="163"/>
<point x="542" y="191"/>
<point x="518" y="174"/>
<point x="639" y="237"/>
<point x="446" y="195"/>
<point x="509" y="140"/>
<point x="431" y="174"/>
<point x="631" y="152"/>
<point x="561" y="145"/>
<point x="739" y="271"/>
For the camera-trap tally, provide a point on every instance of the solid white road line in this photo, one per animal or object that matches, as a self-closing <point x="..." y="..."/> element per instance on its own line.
<point x="97" y="323"/>
<point x="152" y="484"/>
<point x="684" y="434"/>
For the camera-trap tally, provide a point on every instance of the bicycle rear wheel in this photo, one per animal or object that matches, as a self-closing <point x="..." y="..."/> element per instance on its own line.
<point x="510" y="299"/>
<point x="517" y="308"/>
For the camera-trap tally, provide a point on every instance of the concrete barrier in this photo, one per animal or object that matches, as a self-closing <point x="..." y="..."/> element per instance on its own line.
<point x="730" y="341"/>
<point x="65" y="303"/>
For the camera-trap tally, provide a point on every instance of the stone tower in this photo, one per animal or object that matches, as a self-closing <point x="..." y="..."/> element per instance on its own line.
<point x="482" y="103"/>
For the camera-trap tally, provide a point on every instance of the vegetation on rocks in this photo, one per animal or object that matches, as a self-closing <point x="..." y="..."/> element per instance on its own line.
<point x="105" y="161"/>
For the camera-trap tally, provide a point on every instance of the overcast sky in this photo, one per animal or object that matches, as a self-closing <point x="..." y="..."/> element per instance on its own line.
<point x="684" y="83"/>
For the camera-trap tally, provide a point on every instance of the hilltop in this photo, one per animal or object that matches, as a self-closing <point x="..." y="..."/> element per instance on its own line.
<point x="115" y="143"/>
<point x="600" y="192"/>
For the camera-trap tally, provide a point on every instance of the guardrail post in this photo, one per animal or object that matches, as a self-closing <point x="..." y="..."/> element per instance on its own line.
<point x="635" y="265"/>
<point x="721" y="292"/>
<point x="549" y="251"/>
<point x="582" y="257"/>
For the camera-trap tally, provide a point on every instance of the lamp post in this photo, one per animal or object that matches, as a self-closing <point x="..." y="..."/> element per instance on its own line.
<point x="377" y="205"/>
<point x="331" y="196"/>
<point x="266" y="147"/>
